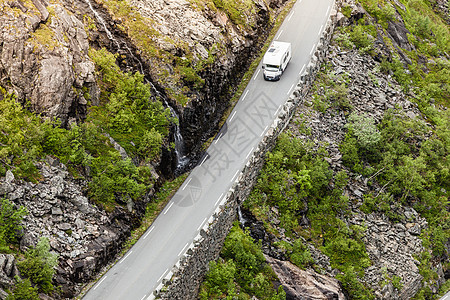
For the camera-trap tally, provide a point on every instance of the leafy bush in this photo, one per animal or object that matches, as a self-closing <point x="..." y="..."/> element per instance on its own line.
<point x="353" y="285"/>
<point x="361" y="39"/>
<point x="23" y="291"/>
<point x="219" y="280"/>
<point x="39" y="264"/>
<point x="132" y="117"/>
<point x="10" y="222"/>
<point x="116" y="180"/>
<point x="286" y="180"/>
<point x="364" y="129"/>
<point x="241" y="271"/>
<point x="300" y="254"/>
<point x="84" y="148"/>
<point x="20" y="139"/>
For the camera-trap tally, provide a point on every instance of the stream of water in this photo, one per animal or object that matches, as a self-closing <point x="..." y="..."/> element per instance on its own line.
<point x="182" y="159"/>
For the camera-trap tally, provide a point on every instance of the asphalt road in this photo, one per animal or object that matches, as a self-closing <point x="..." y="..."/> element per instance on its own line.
<point x="145" y="265"/>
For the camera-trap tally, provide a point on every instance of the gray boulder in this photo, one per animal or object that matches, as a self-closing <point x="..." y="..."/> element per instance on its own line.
<point x="305" y="284"/>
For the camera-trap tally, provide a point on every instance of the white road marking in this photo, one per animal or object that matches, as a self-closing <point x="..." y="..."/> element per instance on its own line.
<point x="264" y="131"/>
<point x="151" y="229"/>
<point x="144" y="297"/>
<point x="168" y="208"/>
<point x="288" y="92"/>
<point x="233" y="116"/>
<point x="187" y="183"/>
<point x="328" y="9"/>
<point x="206" y="156"/>
<point x="312" y="49"/>
<point x="232" y="179"/>
<point x="302" y="70"/>
<point x="245" y="95"/>
<point x="276" y="113"/>
<point x="291" y="15"/>
<point x="201" y="225"/>
<point x="125" y="257"/>
<point x="96" y="286"/>
<point x="183" y="249"/>
<point x="257" y="73"/>
<point x="279" y="35"/>
<point x="163" y="274"/>
<point x="220" y="135"/>
<point x="320" y="30"/>
<point x="218" y="199"/>
<point x="250" y="152"/>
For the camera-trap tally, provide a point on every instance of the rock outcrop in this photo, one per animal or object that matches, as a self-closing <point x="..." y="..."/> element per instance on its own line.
<point x="44" y="58"/>
<point x="85" y="237"/>
<point x="300" y="284"/>
<point x="8" y="271"/>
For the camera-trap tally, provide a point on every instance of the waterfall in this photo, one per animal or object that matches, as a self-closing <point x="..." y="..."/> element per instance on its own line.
<point x="182" y="159"/>
<point x="101" y="21"/>
<point x="241" y="218"/>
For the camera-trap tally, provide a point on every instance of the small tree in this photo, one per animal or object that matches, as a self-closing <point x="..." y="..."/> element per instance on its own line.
<point x="39" y="265"/>
<point x="364" y="129"/>
<point x="23" y="291"/>
<point x="10" y="220"/>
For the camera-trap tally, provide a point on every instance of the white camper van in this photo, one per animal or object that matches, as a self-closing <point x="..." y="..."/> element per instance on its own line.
<point x="276" y="59"/>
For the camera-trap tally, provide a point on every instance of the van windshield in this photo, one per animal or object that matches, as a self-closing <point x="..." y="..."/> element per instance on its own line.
<point x="272" y="68"/>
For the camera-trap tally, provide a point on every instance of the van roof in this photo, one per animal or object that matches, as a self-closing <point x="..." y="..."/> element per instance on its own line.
<point x="274" y="54"/>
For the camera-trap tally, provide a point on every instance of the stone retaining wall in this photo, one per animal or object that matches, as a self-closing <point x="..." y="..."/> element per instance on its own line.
<point x="185" y="278"/>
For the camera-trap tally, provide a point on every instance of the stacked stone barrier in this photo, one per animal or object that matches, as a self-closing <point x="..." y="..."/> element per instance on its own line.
<point x="184" y="280"/>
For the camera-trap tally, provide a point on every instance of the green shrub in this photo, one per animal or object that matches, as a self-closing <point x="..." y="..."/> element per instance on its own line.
<point x="364" y="129"/>
<point x="150" y="146"/>
<point x="116" y="180"/>
<point x="353" y="285"/>
<point x="300" y="254"/>
<point x="219" y="280"/>
<point x="132" y="117"/>
<point x="23" y="291"/>
<point x="349" y="150"/>
<point x="20" y="139"/>
<point x="362" y="40"/>
<point x="241" y="272"/>
<point x="10" y="222"/>
<point x="39" y="264"/>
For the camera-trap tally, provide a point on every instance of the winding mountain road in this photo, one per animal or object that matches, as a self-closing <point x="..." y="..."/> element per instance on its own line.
<point x="144" y="266"/>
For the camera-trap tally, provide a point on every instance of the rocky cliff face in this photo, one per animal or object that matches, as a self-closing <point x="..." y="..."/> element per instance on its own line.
<point x="85" y="237"/>
<point x="43" y="58"/>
